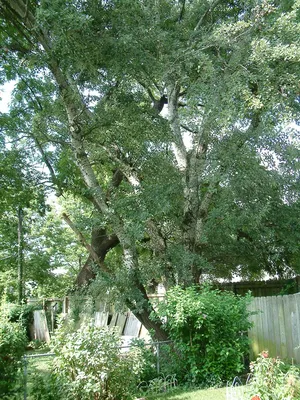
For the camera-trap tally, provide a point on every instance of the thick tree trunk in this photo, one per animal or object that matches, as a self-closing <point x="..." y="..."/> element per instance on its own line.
<point x="101" y="244"/>
<point x="152" y="326"/>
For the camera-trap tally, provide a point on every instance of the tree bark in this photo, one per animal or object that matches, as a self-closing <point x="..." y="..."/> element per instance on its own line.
<point x="20" y="257"/>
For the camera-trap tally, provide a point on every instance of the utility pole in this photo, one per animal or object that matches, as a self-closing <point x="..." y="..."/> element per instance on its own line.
<point x="20" y="256"/>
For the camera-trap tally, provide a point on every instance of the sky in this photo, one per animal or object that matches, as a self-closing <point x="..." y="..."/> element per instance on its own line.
<point x="5" y="96"/>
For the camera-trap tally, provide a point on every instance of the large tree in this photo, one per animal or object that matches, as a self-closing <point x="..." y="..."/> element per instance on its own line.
<point x="169" y="120"/>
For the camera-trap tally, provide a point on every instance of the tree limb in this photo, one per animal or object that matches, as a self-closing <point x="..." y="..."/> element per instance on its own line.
<point x="84" y="242"/>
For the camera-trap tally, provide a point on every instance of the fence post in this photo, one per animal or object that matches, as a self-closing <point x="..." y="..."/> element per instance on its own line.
<point x="25" y="377"/>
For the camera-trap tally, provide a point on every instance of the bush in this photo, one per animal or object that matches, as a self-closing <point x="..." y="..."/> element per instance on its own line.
<point x="24" y="315"/>
<point x="89" y="364"/>
<point x="148" y="355"/>
<point x="271" y="382"/>
<point x="12" y="348"/>
<point x="209" y="330"/>
<point x="46" y="387"/>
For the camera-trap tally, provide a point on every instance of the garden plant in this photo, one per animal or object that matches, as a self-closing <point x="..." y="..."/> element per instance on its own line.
<point x="209" y="332"/>
<point x="13" y="342"/>
<point x="273" y="380"/>
<point x="90" y="365"/>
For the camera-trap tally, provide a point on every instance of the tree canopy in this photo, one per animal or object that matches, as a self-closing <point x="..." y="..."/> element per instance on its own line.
<point x="172" y="124"/>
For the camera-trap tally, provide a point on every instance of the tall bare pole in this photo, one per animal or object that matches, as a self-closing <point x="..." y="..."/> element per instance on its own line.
<point x="20" y="256"/>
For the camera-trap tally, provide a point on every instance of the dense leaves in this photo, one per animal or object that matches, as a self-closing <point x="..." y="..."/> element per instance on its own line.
<point x="12" y="348"/>
<point x="89" y="364"/>
<point x="209" y="330"/>
<point x="172" y="124"/>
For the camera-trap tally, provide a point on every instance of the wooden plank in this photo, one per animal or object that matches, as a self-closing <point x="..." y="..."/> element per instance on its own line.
<point x="113" y="320"/>
<point x="287" y="326"/>
<point x="296" y="328"/>
<point x="294" y="334"/>
<point x="121" y="322"/>
<point x="256" y="327"/>
<point x="101" y="318"/>
<point x="261" y="341"/>
<point x="271" y="327"/>
<point x="253" y="331"/>
<point x="265" y="324"/>
<point x="41" y="331"/>
<point x="132" y="326"/>
<point x="283" y="349"/>
<point x="276" y="325"/>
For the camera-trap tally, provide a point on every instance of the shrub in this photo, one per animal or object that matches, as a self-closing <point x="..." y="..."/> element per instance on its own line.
<point x="12" y="348"/>
<point x="90" y="365"/>
<point x="271" y="382"/>
<point x="209" y="330"/>
<point x="148" y="355"/>
<point x="24" y="315"/>
<point x="46" y="387"/>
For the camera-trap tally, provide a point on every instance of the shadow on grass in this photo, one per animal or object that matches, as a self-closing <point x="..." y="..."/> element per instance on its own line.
<point x="190" y="394"/>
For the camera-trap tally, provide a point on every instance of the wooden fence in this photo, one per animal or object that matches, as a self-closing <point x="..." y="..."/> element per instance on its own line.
<point x="276" y="326"/>
<point x="272" y="287"/>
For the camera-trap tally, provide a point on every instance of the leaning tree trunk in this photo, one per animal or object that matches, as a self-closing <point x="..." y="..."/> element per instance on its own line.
<point x="22" y="16"/>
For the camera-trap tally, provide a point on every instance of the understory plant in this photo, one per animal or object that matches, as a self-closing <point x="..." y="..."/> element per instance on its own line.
<point x="90" y="365"/>
<point x="24" y="314"/>
<point x="13" y="342"/>
<point x="272" y="380"/>
<point x="209" y="332"/>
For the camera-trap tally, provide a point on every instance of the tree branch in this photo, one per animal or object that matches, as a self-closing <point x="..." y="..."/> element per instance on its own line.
<point x="84" y="242"/>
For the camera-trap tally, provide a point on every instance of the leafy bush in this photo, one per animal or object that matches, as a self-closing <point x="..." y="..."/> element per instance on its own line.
<point x="12" y="348"/>
<point x="23" y="314"/>
<point x="271" y="382"/>
<point x="90" y="365"/>
<point x="46" y="387"/>
<point x="148" y="355"/>
<point x="209" y="330"/>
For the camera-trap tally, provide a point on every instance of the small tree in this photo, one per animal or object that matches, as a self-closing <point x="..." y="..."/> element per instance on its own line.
<point x="209" y="328"/>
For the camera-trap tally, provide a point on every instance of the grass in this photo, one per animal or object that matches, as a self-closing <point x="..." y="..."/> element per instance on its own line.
<point x="37" y="365"/>
<point x="180" y="394"/>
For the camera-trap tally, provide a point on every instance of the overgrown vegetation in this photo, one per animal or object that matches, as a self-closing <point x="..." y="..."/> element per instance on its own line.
<point x="209" y="330"/>
<point x="89" y="364"/>
<point x="273" y="380"/>
<point x="23" y="314"/>
<point x="12" y="348"/>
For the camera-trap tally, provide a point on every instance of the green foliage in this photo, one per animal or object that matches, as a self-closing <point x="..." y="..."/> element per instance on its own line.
<point x="271" y="381"/>
<point x="174" y="120"/>
<point x="209" y="330"/>
<point x="23" y="314"/>
<point x="149" y="357"/>
<point x="46" y="387"/>
<point x="12" y="348"/>
<point x="90" y="365"/>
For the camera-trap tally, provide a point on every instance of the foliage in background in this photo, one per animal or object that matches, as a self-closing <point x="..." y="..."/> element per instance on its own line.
<point x="209" y="330"/>
<point x="13" y="342"/>
<point x="90" y="365"/>
<point x="271" y="380"/>
<point x="51" y="257"/>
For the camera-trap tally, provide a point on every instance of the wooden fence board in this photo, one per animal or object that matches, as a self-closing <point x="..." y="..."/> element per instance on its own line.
<point x="276" y="326"/>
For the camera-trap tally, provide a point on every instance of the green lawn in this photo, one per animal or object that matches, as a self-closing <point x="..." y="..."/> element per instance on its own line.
<point x="39" y="366"/>
<point x="205" y="394"/>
